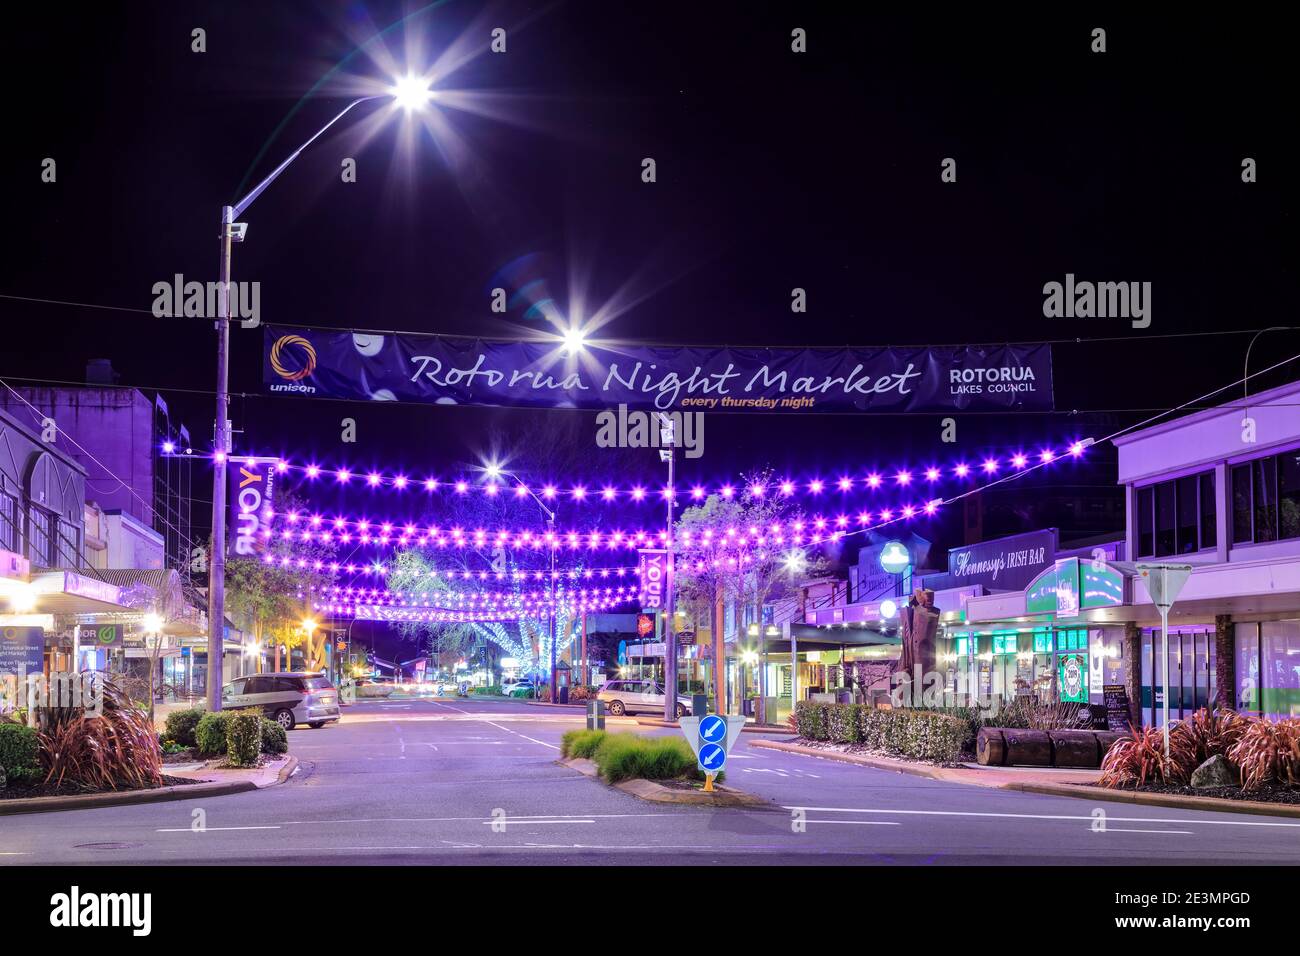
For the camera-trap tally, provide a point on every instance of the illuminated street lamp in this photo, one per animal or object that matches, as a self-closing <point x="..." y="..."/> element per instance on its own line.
<point x="409" y="93"/>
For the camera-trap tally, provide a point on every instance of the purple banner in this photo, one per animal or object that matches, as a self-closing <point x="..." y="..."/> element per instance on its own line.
<point x="252" y="488"/>
<point x="447" y="370"/>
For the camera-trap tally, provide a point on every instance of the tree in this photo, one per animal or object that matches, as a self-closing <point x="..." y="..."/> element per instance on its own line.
<point x="727" y="550"/>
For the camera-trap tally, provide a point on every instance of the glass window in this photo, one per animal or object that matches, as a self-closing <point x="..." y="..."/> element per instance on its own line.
<point x="1188" y="517"/>
<point x="1209" y="531"/>
<point x="1288" y="494"/>
<point x="1241" y="507"/>
<point x="68" y="545"/>
<point x="1279" y="656"/>
<point x="8" y="522"/>
<point x="38" y="537"/>
<point x="1265" y="499"/>
<point x="1166" y="536"/>
<point x="1146" y="522"/>
<point x="1246" y="640"/>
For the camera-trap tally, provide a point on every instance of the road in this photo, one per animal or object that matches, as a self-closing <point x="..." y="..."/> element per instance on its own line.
<point x="476" y="782"/>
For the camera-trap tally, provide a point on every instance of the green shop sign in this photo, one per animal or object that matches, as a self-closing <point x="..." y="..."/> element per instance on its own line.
<point x="1071" y="586"/>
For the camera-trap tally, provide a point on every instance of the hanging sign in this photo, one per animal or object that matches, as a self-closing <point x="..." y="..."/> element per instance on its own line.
<point x="652" y="568"/>
<point x="453" y="370"/>
<point x="251" y="499"/>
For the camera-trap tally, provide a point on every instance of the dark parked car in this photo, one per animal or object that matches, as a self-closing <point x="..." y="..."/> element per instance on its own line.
<point x="288" y="698"/>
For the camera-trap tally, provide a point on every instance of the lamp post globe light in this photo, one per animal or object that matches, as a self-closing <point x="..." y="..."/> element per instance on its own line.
<point x="408" y="93"/>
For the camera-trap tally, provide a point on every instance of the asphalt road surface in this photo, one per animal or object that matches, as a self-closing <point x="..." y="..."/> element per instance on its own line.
<point x="476" y="782"/>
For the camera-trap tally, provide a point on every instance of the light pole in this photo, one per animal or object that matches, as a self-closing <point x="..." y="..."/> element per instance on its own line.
<point x="409" y="93"/>
<point x="667" y="440"/>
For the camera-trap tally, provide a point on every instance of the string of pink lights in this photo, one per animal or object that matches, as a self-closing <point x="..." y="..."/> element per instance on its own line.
<point x="450" y="574"/>
<point x="493" y="482"/>
<point x="468" y="614"/>
<point x="378" y="595"/>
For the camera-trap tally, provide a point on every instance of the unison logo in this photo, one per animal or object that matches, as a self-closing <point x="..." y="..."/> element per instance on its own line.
<point x="1098" y="300"/>
<point x="74" y="908"/>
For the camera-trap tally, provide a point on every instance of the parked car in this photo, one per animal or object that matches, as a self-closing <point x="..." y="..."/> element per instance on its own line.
<point x="288" y="698"/>
<point x="522" y="688"/>
<point x="638" y="696"/>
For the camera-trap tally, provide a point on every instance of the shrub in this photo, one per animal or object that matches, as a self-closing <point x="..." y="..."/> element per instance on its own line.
<point x="1214" y="733"/>
<point x="494" y="690"/>
<point x="628" y="756"/>
<point x="580" y="743"/>
<point x="210" y="733"/>
<point x="914" y="733"/>
<point x="243" y="737"/>
<point x="274" y="738"/>
<point x="580" y="693"/>
<point x="1133" y="760"/>
<point x="20" y="751"/>
<point x="117" y="749"/>
<point x="1268" y="751"/>
<point x="180" y="725"/>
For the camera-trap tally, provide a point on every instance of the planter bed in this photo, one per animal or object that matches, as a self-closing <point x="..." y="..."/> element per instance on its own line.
<point x="1269" y="793"/>
<point x="861" y="750"/>
<point x="69" y="790"/>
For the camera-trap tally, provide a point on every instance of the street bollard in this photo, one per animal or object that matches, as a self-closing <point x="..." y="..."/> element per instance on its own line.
<point x="595" y="714"/>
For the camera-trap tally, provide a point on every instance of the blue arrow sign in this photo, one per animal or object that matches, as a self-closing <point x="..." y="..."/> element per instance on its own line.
<point x="713" y="729"/>
<point x="712" y="758"/>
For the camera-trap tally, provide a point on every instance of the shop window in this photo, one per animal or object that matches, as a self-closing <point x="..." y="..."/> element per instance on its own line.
<point x="1005" y="643"/>
<point x="1209" y="530"/>
<point x="1176" y="517"/>
<point x="1166" y="532"/>
<point x="1266" y="498"/>
<point x="38" y="537"/>
<point x="1188" y="515"/>
<point x="1265" y="486"/>
<point x="1146" y="521"/>
<point x="1042" y="642"/>
<point x="1288" y="494"/>
<point x="1279" y="658"/>
<point x="1246" y="641"/>
<point x="1241" y="504"/>
<point x="9" y="533"/>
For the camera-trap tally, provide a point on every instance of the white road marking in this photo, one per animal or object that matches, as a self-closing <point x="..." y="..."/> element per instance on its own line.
<point x="1124" y="830"/>
<point x="1043" y="816"/>
<point x="212" y="829"/>
<point x="506" y="821"/>
<point x="859" y="823"/>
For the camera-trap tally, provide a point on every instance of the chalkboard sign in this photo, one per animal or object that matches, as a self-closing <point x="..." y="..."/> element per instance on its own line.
<point x="1117" y="715"/>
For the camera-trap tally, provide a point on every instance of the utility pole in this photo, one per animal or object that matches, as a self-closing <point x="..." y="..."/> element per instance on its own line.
<point x="667" y="440"/>
<point x="217" y="560"/>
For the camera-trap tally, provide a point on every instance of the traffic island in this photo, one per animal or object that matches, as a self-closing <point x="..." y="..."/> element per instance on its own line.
<point x="748" y="728"/>
<point x="679" y="791"/>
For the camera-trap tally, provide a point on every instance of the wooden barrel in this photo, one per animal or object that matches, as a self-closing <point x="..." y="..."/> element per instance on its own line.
<point x="1028" y="748"/>
<point x="990" y="748"/>
<point x="1075" y="748"/>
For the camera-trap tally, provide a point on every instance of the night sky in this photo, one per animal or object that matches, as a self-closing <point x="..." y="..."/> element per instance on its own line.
<point x="776" y="170"/>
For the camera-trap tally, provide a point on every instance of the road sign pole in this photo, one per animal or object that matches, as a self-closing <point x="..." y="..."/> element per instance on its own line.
<point x="708" y="783"/>
<point x="1164" y="658"/>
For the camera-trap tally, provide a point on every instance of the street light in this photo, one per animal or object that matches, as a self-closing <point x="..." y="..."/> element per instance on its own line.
<point x="405" y="92"/>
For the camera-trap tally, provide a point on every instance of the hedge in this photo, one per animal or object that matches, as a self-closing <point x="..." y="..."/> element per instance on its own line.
<point x="908" y="732"/>
<point x="19" y="752"/>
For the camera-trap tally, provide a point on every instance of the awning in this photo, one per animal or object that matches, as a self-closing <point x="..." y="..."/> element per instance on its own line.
<point x="67" y="592"/>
